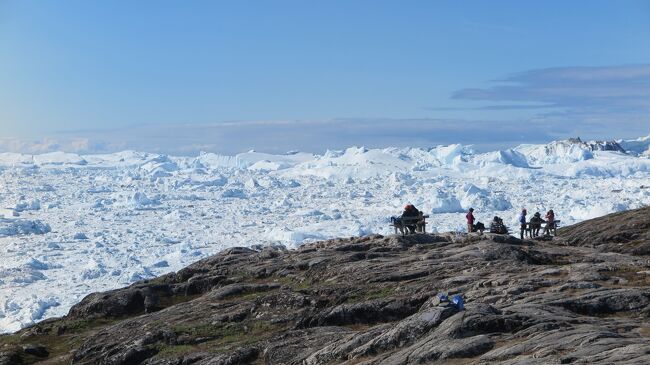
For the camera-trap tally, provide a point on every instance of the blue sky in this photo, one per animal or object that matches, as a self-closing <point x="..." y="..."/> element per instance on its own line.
<point x="180" y="77"/>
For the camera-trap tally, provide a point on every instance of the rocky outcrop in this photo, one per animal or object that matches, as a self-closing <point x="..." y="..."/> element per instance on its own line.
<point x="625" y="232"/>
<point x="583" y="298"/>
<point x="598" y="145"/>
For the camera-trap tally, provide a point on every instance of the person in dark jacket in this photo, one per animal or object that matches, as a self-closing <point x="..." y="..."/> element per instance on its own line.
<point x="536" y="224"/>
<point x="410" y="212"/>
<point x="522" y="222"/>
<point x="470" y="220"/>
<point x="497" y="226"/>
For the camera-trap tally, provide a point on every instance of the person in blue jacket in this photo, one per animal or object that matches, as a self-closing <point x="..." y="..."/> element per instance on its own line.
<point x="522" y="222"/>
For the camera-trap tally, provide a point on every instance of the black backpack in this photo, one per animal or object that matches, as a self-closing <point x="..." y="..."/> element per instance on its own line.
<point x="479" y="226"/>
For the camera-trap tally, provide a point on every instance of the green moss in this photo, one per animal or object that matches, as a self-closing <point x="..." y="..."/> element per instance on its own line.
<point x="220" y="336"/>
<point x="169" y="301"/>
<point x="58" y="336"/>
<point x="170" y="351"/>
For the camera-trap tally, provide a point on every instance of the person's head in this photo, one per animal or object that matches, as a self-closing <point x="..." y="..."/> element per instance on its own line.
<point x="496" y="218"/>
<point x="471" y="209"/>
<point x="537" y="214"/>
<point x="524" y="211"/>
<point x="551" y="211"/>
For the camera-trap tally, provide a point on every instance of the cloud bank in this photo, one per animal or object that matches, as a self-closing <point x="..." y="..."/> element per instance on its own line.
<point x="589" y="102"/>
<point x="585" y="96"/>
<point x="278" y="136"/>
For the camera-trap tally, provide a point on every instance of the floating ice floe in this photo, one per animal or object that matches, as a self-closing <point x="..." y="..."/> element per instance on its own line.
<point x="482" y="199"/>
<point x="557" y="152"/>
<point x="13" y="227"/>
<point x="141" y="200"/>
<point x="443" y="202"/>
<point x="15" y="159"/>
<point x="80" y="236"/>
<point x="292" y="238"/>
<point x="24" y="205"/>
<point x="59" y="158"/>
<point x="33" y="311"/>
<point x="580" y="213"/>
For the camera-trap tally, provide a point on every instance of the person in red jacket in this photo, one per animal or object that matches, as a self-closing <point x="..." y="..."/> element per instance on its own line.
<point x="470" y="220"/>
<point x="550" y="222"/>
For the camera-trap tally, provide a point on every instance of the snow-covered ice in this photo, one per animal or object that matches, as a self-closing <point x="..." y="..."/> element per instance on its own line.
<point x="71" y="225"/>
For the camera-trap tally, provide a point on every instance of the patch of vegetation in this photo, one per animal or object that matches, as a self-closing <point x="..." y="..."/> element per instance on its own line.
<point x="293" y="283"/>
<point x="171" y="351"/>
<point x="632" y="276"/>
<point x="58" y="336"/>
<point x="370" y="294"/>
<point x="168" y="301"/>
<point x="221" y="337"/>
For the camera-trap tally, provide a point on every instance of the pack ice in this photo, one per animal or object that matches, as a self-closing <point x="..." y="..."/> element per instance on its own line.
<point x="71" y="225"/>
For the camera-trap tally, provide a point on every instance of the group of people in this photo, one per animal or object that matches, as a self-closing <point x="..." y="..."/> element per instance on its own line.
<point x="532" y="227"/>
<point x="412" y="220"/>
<point x="535" y="223"/>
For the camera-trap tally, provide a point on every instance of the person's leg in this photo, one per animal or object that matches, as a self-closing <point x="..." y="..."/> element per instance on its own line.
<point x="554" y="229"/>
<point x="521" y="231"/>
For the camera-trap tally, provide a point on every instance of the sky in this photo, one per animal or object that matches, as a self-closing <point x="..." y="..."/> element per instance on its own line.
<point x="230" y="76"/>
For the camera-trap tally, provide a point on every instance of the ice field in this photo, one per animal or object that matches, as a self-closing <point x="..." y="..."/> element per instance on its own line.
<point x="71" y="225"/>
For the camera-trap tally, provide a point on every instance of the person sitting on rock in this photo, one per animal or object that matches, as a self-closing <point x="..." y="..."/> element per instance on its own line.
<point x="536" y="224"/>
<point x="496" y="226"/>
<point x="410" y="217"/>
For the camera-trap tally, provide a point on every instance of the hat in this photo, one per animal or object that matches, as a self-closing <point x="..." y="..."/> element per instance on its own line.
<point x="471" y="209"/>
<point x="537" y="214"/>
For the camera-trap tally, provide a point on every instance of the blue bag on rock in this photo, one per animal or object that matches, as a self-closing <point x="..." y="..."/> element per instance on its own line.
<point x="458" y="301"/>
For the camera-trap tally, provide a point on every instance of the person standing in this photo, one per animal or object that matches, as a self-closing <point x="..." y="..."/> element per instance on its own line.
<point x="522" y="222"/>
<point x="470" y="220"/>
